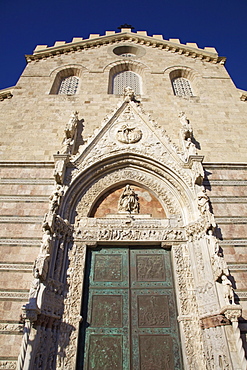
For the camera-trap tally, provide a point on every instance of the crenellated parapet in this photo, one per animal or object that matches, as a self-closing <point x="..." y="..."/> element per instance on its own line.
<point x="208" y="54"/>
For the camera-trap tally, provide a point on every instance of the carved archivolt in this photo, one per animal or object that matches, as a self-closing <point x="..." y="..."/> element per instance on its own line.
<point x="90" y="196"/>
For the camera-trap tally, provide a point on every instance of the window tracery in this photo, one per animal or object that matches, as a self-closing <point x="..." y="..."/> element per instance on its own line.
<point x="182" y="87"/>
<point x="125" y="79"/>
<point x="69" y="85"/>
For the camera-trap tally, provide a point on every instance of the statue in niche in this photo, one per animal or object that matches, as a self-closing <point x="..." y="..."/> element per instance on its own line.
<point x="203" y="206"/>
<point x="228" y="290"/>
<point x="128" y="201"/>
<point x="186" y="126"/>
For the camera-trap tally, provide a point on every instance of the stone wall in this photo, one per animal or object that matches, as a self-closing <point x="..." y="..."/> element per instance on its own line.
<point x="32" y="124"/>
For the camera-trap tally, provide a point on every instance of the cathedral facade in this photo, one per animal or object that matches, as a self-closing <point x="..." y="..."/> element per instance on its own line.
<point x="123" y="208"/>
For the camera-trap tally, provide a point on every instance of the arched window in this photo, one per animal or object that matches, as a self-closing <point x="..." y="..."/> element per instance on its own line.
<point x="66" y="80"/>
<point x="125" y="79"/>
<point x="69" y="85"/>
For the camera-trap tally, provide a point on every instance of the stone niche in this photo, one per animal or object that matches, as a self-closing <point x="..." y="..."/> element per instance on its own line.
<point x="108" y="204"/>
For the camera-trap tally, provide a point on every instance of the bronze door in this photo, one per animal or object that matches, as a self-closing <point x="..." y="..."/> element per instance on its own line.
<point x="131" y="319"/>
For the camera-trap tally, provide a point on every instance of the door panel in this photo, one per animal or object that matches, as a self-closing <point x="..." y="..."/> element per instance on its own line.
<point x="132" y="319"/>
<point x="107" y="334"/>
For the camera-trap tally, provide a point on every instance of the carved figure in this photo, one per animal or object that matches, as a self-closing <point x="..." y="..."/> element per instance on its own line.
<point x="41" y="265"/>
<point x="129" y="94"/>
<point x="128" y="201"/>
<point x="59" y="170"/>
<point x="228" y="290"/>
<point x="70" y="128"/>
<point x="219" y="266"/>
<point x="129" y="135"/>
<point x="46" y="242"/>
<point x="186" y="126"/>
<point x="34" y="289"/>
<point x="203" y="205"/>
<point x="55" y="199"/>
<point x="198" y="172"/>
<point x="67" y="146"/>
<point x="190" y="147"/>
<point x="214" y="244"/>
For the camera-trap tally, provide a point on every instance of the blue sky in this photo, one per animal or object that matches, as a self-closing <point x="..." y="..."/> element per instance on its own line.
<point x="218" y="23"/>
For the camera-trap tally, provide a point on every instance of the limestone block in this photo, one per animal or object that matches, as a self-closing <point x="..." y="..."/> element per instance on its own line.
<point x="8" y="280"/>
<point x="77" y="39"/>
<point x="39" y="47"/>
<point x="18" y="253"/>
<point x="59" y="43"/>
<point x="175" y="41"/>
<point x="10" y="345"/>
<point x="10" y="310"/>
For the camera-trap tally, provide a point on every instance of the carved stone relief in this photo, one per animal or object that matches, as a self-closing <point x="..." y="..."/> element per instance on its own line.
<point x="128" y="134"/>
<point x="126" y="127"/>
<point x="128" y="229"/>
<point x="216" y="352"/>
<point x="188" y="309"/>
<point x="128" y="201"/>
<point x="67" y="340"/>
<point x="169" y="202"/>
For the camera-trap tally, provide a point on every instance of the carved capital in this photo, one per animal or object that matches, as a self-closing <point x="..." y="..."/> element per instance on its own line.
<point x="29" y="313"/>
<point x="232" y="312"/>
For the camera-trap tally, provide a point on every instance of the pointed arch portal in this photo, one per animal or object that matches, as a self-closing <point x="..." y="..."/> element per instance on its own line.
<point x="124" y="262"/>
<point x="130" y="280"/>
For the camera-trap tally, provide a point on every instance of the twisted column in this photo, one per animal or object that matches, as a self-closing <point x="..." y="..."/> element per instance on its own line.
<point x="233" y="313"/>
<point x="29" y="315"/>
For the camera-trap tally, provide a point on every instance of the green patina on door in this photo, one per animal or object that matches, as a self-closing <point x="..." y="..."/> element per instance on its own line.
<point x="131" y="313"/>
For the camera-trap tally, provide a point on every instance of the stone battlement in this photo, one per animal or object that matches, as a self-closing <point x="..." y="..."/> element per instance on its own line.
<point x="93" y="36"/>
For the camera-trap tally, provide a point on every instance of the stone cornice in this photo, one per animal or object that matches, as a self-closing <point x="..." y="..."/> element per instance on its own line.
<point x="228" y="166"/>
<point x="42" y="51"/>
<point x="26" y="164"/>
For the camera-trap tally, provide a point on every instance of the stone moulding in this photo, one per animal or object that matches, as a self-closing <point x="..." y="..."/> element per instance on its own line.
<point x="170" y="202"/>
<point x="25" y="242"/>
<point x="27" y="181"/>
<point x="225" y="182"/>
<point x="13" y="295"/>
<point x="24" y="267"/>
<point x="7" y="364"/>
